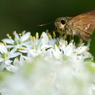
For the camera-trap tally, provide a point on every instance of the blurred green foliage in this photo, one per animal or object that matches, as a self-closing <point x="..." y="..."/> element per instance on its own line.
<point x="22" y="15"/>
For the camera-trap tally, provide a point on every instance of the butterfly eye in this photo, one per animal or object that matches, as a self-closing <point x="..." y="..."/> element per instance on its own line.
<point x="63" y="21"/>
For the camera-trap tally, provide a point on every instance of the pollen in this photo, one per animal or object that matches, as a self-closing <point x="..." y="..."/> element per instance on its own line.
<point x="9" y="36"/>
<point x="23" y="32"/>
<point x="34" y="38"/>
<point x="42" y="37"/>
<point x="5" y="54"/>
<point x="1" y="43"/>
<point x="74" y="52"/>
<point x="49" y="35"/>
<point x="31" y="36"/>
<point x="17" y="58"/>
<point x="37" y="35"/>
<point x="53" y="47"/>
<point x="19" y="34"/>
<point x="22" y="48"/>
<point x="54" y="34"/>
<point x="82" y="44"/>
<point x="64" y="37"/>
<point x="14" y="32"/>
<point x="5" y="43"/>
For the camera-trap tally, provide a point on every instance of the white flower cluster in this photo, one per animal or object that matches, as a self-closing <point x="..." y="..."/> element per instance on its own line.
<point x="24" y="47"/>
<point x="45" y="66"/>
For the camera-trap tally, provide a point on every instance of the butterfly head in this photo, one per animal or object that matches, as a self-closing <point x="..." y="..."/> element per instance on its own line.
<point x="61" y="22"/>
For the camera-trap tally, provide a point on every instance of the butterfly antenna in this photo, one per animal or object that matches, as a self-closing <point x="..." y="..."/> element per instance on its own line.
<point x="44" y="24"/>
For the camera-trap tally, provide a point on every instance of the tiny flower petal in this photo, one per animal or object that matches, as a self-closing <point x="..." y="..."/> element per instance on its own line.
<point x="44" y="38"/>
<point x="25" y="36"/>
<point x="14" y="55"/>
<point x="11" y="68"/>
<point x="8" y="41"/>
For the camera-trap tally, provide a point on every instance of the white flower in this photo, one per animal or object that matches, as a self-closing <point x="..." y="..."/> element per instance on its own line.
<point x="45" y="66"/>
<point x="44" y="38"/>
<point x="18" y="41"/>
<point x="17" y="64"/>
<point x="56" y="52"/>
<point x="6" y="55"/>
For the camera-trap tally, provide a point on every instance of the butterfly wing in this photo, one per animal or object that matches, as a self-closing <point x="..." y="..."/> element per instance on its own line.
<point x="84" y="24"/>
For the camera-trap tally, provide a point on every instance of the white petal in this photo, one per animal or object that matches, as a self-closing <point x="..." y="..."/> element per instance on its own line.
<point x="32" y="53"/>
<point x="8" y="62"/>
<point x="22" y="61"/>
<point x="8" y="41"/>
<point x="28" y="43"/>
<point x="1" y="59"/>
<point x="9" y="46"/>
<point x="16" y="35"/>
<point x="15" y="61"/>
<point x="12" y="68"/>
<point x="44" y="47"/>
<point x="87" y="55"/>
<point x="81" y="49"/>
<point x="3" y="49"/>
<point x="57" y="53"/>
<point x="23" y="51"/>
<point x="44" y="38"/>
<point x="14" y="55"/>
<point x="25" y="37"/>
<point x="13" y="50"/>
<point x="68" y="50"/>
<point x="2" y="66"/>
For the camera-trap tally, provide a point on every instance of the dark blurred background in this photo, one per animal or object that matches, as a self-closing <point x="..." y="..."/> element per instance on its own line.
<point x="22" y="15"/>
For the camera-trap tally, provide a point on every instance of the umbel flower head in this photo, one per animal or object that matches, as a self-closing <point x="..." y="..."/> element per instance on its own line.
<point x="45" y="65"/>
